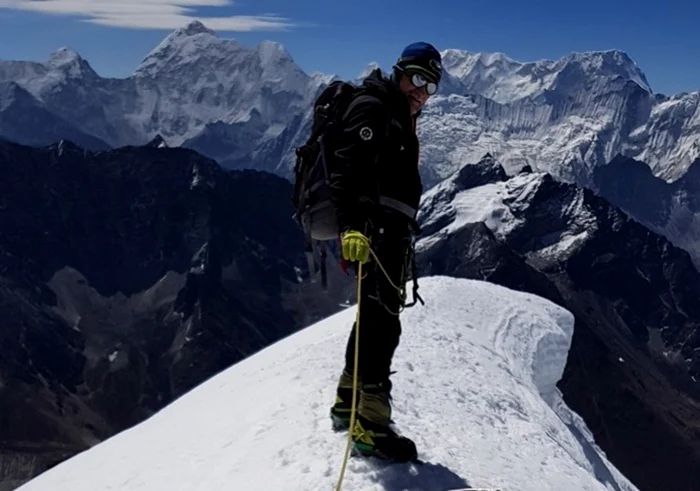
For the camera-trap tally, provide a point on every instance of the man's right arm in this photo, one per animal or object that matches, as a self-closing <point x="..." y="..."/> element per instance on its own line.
<point x="359" y="141"/>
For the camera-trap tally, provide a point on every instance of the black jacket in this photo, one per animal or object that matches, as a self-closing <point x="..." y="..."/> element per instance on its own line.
<point x="376" y="182"/>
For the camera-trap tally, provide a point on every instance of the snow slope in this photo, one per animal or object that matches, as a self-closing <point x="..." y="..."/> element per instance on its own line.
<point x="475" y="387"/>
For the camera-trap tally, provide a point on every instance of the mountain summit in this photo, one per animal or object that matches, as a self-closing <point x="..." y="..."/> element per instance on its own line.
<point x="475" y="386"/>
<point x="71" y="63"/>
<point x="504" y="80"/>
<point x="193" y="28"/>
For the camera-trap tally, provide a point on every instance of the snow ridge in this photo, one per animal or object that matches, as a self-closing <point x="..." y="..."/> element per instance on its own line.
<point x="473" y="370"/>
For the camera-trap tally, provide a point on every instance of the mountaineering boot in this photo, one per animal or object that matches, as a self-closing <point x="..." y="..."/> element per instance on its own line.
<point x="340" y="412"/>
<point x="372" y="434"/>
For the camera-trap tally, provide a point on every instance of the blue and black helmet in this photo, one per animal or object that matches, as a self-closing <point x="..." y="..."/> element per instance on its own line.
<point x="424" y="58"/>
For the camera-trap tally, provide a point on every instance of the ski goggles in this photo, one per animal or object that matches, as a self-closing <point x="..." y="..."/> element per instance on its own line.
<point x="419" y="81"/>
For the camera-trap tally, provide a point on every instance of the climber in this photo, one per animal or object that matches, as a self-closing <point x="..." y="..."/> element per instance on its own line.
<point x="377" y="188"/>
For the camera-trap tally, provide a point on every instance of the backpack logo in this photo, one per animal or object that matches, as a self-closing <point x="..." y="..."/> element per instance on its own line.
<point x="366" y="133"/>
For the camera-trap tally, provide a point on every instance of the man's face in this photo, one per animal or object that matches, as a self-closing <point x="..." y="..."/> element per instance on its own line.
<point x="417" y="96"/>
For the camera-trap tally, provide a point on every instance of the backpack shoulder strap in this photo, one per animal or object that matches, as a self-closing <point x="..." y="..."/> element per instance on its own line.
<point x="361" y="96"/>
<point x="364" y="97"/>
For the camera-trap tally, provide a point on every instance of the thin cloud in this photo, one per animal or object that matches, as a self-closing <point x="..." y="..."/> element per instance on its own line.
<point x="150" y="14"/>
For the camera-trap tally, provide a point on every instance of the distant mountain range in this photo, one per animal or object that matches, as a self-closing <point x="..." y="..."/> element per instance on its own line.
<point x="249" y="108"/>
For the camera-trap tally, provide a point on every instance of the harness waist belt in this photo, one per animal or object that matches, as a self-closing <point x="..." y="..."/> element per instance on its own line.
<point x="398" y="206"/>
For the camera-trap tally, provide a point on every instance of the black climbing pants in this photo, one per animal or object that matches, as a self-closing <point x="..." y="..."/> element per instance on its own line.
<point x="380" y="305"/>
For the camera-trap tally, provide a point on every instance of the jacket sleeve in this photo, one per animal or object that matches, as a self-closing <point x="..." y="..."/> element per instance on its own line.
<point x="360" y="138"/>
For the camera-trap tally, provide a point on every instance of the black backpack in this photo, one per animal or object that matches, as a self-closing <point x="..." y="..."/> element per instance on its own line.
<point x="312" y="199"/>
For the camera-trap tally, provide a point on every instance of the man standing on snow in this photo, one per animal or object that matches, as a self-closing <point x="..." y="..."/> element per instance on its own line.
<point x="377" y="190"/>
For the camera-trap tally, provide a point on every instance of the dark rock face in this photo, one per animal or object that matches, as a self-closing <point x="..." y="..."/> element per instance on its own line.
<point x="486" y="171"/>
<point x="670" y="209"/>
<point x="127" y="277"/>
<point x="474" y="252"/>
<point x="633" y="366"/>
<point x="630" y="185"/>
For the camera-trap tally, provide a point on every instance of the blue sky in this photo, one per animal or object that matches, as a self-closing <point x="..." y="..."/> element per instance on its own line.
<point x="343" y="37"/>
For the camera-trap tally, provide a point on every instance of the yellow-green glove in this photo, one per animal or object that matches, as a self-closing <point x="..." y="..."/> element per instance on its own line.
<point x="355" y="246"/>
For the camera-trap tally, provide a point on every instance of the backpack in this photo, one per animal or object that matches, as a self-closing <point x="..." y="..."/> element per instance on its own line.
<point x="312" y="199"/>
<point x="314" y="209"/>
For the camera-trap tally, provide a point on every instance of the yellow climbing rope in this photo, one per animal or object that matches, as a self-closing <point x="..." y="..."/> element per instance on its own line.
<point x="354" y="378"/>
<point x="357" y="351"/>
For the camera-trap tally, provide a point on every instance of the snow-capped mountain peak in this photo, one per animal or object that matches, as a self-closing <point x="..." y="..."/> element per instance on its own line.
<point x="272" y="52"/>
<point x="207" y="62"/>
<point x="499" y="77"/>
<point x="70" y="63"/>
<point x="565" y="117"/>
<point x="460" y="63"/>
<point x="196" y="87"/>
<point x="63" y="56"/>
<point x="184" y="46"/>
<point x="279" y="69"/>
<point x="483" y="193"/>
<point x="193" y="28"/>
<point x="610" y="63"/>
